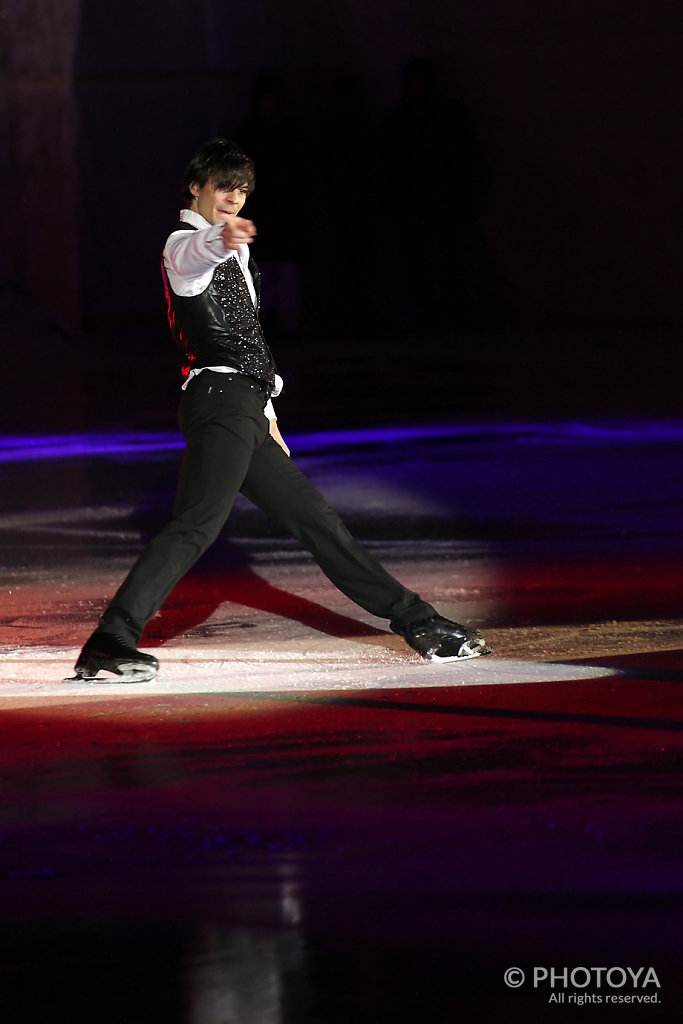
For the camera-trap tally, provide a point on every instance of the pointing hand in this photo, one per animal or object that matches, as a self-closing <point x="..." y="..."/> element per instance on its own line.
<point x="237" y="231"/>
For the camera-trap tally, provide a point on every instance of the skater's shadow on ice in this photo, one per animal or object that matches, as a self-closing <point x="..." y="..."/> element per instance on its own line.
<point x="196" y="599"/>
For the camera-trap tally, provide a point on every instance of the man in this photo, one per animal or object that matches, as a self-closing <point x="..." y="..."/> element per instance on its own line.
<point x="233" y="440"/>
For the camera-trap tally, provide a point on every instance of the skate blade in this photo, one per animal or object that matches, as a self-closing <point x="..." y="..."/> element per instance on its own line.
<point x="466" y="653"/>
<point x="124" y="674"/>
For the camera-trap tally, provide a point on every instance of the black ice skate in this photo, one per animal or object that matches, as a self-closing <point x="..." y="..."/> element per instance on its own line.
<point x="439" y="639"/>
<point x="111" y="653"/>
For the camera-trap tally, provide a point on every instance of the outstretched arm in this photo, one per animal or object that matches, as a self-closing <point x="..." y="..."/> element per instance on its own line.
<point x="192" y="256"/>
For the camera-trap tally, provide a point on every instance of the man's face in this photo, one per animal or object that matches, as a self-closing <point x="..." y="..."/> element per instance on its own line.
<point x="218" y="205"/>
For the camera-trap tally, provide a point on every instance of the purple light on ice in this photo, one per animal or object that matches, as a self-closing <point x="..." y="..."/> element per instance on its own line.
<point x="26" y="448"/>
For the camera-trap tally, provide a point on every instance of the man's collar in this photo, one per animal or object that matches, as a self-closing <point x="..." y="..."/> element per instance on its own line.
<point x="194" y="218"/>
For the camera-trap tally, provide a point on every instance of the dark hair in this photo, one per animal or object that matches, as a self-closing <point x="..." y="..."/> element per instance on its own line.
<point x="223" y="164"/>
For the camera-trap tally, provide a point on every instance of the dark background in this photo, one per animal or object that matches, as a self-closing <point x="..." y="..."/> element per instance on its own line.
<point x="535" y="821"/>
<point x="542" y="278"/>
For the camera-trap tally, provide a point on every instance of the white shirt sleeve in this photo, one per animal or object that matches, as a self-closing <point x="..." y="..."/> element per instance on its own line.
<point x="191" y="257"/>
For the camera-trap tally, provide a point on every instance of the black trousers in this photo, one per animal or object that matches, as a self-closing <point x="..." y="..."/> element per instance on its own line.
<point x="229" y="449"/>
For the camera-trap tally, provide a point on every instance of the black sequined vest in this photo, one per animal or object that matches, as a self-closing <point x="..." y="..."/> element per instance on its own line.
<point x="220" y="326"/>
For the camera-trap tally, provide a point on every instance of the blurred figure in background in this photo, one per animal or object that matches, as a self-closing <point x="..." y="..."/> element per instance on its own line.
<point x="275" y="142"/>
<point x="432" y="177"/>
<point x="345" y="295"/>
